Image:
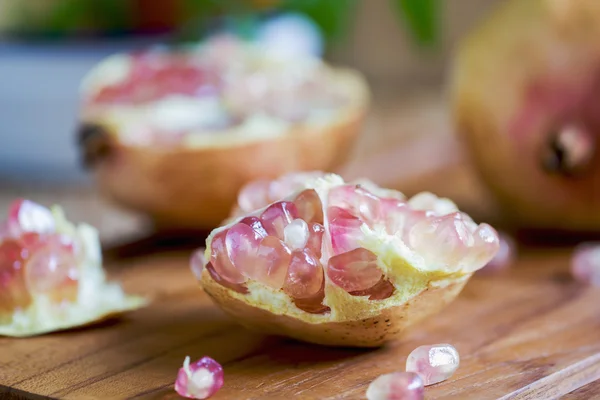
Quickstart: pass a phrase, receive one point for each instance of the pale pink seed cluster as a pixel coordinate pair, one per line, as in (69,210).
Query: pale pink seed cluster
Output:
(585,263)
(199,380)
(396,386)
(434,363)
(282,247)
(34,259)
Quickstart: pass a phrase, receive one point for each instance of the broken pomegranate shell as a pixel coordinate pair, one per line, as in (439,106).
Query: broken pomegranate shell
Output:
(176,133)
(378,264)
(524,97)
(51,276)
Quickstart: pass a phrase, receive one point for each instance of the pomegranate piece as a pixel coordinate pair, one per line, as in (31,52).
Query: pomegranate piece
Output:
(221,262)
(199,380)
(305,275)
(277,216)
(27,216)
(240,288)
(309,206)
(355,270)
(197,262)
(254,196)
(344,229)
(585,264)
(397,386)
(242,243)
(434,363)
(359,201)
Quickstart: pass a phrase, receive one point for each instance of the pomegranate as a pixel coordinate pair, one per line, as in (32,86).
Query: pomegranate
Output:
(523,97)
(340,263)
(51,276)
(176,133)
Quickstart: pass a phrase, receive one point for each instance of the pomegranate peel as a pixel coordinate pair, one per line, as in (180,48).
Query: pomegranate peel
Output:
(51,275)
(344,311)
(161,177)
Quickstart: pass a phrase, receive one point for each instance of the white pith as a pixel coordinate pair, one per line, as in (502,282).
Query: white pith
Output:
(395,259)
(96,298)
(129,119)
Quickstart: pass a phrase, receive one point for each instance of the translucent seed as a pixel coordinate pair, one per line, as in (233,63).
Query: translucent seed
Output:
(358,201)
(428,201)
(296,234)
(254,196)
(305,275)
(255,223)
(585,263)
(272,262)
(52,269)
(199,380)
(434,363)
(240,288)
(397,386)
(277,216)
(315,239)
(380,291)
(355,270)
(344,229)
(309,206)
(220,261)
(486,245)
(242,245)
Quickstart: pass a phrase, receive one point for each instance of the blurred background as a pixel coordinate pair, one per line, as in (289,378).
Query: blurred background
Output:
(48,45)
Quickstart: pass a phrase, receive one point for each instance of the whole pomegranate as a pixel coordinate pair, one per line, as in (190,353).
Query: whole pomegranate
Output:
(524,89)
(339,263)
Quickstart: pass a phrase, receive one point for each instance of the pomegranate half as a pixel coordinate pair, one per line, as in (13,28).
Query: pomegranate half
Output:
(525,100)
(340,263)
(175,134)
(51,275)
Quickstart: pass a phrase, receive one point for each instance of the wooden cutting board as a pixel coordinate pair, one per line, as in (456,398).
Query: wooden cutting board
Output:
(530,334)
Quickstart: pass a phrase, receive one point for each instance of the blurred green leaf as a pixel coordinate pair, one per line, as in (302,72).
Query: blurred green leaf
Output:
(422,17)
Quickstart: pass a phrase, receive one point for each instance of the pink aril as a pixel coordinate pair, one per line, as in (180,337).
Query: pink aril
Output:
(380,291)
(441,240)
(197,262)
(355,270)
(237,287)
(309,206)
(344,228)
(305,275)
(52,270)
(397,386)
(221,263)
(277,216)
(585,263)
(255,223)
(13,291)
(271,265)
(242,243)
(27,216)
(434,363)
(357,200)
(486,244)
(315,238)
(199,380)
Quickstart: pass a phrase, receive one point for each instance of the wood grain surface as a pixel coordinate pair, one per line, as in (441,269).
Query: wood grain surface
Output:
(531,333)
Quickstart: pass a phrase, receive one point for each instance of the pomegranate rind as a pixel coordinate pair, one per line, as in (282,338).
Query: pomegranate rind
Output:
(97,299)
(421,290)
(195,184)
(523,48)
